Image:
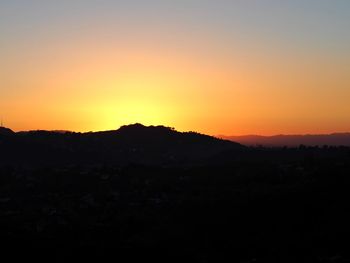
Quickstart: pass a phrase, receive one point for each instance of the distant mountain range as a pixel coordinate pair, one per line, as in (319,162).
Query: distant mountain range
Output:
(334,139)
(130,144)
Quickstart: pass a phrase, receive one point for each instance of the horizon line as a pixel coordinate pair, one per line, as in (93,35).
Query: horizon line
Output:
(214,135)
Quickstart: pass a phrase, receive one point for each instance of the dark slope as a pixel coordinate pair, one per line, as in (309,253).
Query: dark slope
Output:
(6,131)
(129,144)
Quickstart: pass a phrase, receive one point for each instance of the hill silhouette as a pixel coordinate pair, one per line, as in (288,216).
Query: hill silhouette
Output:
(130,144)
(6,131)
(171,195)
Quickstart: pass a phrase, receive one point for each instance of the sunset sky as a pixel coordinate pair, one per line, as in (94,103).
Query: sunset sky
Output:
(212,66)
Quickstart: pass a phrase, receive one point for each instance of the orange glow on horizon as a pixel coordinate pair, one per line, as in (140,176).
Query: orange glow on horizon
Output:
(103,88)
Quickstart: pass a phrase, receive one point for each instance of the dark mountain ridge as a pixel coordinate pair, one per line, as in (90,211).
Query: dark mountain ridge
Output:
(334,139)
(130,144)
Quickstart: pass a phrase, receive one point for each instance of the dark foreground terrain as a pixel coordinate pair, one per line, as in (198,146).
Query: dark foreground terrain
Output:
(257,205)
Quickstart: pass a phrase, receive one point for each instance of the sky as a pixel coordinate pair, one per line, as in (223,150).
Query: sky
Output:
(213,66)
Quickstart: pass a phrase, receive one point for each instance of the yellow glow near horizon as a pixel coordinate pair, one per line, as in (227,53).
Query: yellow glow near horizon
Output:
(165,89)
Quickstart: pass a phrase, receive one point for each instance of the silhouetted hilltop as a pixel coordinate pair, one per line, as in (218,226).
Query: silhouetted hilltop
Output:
(140,136)
(6,131)
(130,144)
(334,139)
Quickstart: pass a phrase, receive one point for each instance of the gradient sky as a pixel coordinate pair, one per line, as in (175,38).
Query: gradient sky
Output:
(217,67)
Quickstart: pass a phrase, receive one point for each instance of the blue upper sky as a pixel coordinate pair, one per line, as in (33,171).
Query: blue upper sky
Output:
(309,22)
